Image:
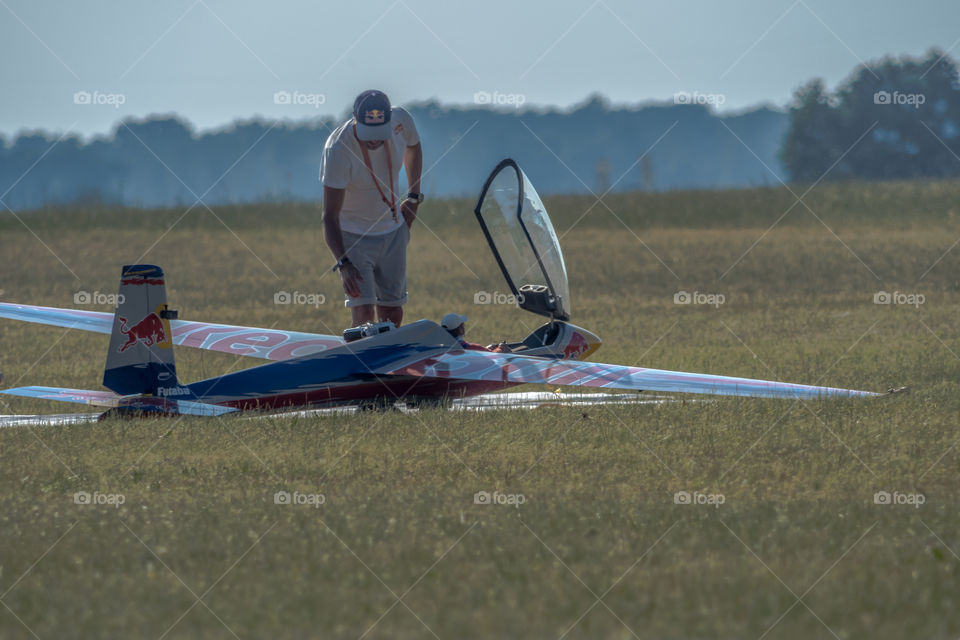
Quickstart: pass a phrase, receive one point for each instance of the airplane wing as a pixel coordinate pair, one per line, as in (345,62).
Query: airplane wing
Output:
(111,399)
(268,344)
(79,396)
(507,367)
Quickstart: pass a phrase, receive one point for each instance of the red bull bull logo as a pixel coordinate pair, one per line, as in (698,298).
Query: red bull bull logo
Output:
(577,348)
(374,116)
(152,330)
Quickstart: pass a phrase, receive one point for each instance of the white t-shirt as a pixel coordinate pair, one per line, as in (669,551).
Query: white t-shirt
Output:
(364,211)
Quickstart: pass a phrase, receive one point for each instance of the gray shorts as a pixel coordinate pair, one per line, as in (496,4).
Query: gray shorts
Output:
(382,261)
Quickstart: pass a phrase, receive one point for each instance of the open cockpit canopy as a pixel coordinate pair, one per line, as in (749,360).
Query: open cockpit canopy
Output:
(523,240)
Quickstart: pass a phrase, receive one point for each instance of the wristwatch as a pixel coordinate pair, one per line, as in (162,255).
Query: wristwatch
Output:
(416,197)
(341,263)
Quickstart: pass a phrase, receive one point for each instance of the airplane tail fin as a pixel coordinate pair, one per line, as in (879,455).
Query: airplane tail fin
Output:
(140,357)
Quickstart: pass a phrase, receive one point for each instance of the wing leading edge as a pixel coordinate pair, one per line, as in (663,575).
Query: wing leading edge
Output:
(500,367)
(267,344)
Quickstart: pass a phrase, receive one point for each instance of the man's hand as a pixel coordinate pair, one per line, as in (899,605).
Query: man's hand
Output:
(413,165)
(408,208)
(351,280)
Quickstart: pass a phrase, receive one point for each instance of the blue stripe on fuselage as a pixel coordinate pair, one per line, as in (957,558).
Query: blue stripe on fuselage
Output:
(350,363)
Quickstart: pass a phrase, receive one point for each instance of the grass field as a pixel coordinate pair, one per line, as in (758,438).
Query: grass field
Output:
(599,548)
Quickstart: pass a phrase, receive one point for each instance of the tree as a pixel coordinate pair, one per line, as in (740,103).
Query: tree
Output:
(808,148)
(899,118)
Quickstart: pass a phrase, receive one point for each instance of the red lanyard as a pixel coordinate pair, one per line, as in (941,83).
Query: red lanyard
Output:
(366,161)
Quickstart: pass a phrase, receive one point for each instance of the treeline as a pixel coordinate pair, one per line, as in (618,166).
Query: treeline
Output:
(896,119)
(162,161)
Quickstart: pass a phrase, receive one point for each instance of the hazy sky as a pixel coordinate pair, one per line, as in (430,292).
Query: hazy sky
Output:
(214,61)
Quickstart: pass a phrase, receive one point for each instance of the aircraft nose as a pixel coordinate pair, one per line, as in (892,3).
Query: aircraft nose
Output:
(592,341)
(580,343)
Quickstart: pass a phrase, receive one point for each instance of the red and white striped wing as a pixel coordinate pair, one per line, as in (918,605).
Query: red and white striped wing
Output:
(268,344)
(502,367)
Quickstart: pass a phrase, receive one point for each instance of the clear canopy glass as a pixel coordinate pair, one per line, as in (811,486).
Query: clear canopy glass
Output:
(521,234)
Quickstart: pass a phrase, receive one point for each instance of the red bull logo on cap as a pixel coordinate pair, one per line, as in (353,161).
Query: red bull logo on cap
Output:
(374,116)
(151,330)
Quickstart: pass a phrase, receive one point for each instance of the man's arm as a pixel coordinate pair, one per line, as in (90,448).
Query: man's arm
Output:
(333,235)
(332,203)
(413,164)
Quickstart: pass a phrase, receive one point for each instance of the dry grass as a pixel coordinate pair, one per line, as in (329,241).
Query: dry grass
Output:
(599,521)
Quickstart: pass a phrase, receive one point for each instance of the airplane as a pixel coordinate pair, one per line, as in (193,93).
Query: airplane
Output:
(419,364)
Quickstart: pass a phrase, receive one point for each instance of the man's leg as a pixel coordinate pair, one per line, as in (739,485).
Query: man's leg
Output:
(393,314)
(391,275)
(363,314)
(363,252)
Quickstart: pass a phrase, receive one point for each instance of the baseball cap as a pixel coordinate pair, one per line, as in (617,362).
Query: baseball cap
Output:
(371,112)
(452,320)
